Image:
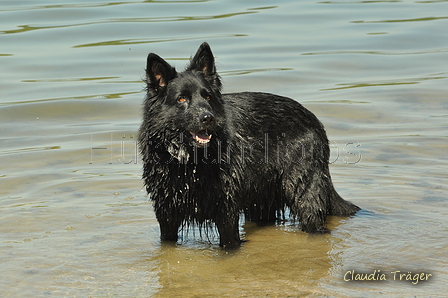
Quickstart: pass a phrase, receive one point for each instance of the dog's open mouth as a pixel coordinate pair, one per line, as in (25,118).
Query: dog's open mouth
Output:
(202,137)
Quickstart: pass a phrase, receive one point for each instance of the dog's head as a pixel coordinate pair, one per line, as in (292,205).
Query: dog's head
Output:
(189,102)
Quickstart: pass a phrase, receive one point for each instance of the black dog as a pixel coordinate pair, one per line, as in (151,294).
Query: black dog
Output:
(210,156)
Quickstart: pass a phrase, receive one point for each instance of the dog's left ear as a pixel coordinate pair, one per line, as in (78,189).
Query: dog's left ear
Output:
(204,62)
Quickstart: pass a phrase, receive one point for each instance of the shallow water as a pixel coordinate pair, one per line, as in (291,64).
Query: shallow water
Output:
(74,218)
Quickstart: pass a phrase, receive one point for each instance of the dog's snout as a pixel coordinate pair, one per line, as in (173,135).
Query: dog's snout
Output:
(207,118)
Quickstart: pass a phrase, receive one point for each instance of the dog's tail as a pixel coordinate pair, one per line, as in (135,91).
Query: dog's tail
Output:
(341,207)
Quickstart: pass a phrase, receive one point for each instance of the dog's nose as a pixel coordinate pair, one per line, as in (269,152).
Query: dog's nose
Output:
(207,118)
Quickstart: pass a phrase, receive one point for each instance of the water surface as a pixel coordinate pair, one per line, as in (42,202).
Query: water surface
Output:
(75,219)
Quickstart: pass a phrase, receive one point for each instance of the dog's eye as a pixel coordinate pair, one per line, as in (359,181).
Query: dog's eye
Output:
(182,98)
(206,95)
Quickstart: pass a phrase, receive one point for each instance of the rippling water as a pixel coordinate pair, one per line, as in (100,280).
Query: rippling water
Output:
(74,219)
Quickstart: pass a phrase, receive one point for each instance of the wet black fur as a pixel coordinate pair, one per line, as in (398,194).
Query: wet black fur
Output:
(265,153)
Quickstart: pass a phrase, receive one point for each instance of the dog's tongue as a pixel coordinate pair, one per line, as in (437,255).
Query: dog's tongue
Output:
(201,137)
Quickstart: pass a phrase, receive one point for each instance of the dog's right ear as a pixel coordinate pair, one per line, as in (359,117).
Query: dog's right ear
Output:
(158,72)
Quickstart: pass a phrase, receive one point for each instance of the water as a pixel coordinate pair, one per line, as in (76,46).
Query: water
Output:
(74,218)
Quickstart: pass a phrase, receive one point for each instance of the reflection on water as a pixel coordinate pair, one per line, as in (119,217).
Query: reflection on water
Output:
(75,219)
(150,40)
(252,270)
(404,20)
(380,83)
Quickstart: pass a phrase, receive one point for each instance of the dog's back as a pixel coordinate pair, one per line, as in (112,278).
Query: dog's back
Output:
(282,153)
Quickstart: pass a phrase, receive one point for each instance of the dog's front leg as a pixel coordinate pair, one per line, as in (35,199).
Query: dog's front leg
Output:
(228,228)
(169,224)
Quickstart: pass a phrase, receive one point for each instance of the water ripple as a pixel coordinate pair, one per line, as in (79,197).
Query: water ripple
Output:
(402,20)
(27,28)
(381,83)
(385,53)
(131,41)
(93,5)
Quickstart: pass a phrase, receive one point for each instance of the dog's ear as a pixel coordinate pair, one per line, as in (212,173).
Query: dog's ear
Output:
(204,62)
(158,72)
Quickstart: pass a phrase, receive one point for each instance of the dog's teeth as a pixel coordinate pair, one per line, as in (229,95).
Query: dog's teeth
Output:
(201,138)
(203,141)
